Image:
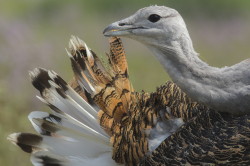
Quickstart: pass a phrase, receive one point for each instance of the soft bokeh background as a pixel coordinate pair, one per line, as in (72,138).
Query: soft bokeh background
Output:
(34,33)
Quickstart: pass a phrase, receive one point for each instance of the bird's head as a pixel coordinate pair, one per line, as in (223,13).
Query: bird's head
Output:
(153,26)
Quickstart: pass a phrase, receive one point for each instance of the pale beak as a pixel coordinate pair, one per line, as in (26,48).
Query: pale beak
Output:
(118,29)
(124,27)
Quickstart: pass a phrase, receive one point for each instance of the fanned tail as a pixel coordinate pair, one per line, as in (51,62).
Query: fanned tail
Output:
(72,134)
(71,130)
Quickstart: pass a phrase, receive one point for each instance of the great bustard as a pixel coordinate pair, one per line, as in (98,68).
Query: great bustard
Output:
(134,124)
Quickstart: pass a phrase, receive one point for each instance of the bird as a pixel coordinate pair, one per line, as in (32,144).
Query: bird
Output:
(98,117)
(164,32)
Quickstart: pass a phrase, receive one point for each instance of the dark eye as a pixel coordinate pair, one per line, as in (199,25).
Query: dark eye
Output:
(154,18)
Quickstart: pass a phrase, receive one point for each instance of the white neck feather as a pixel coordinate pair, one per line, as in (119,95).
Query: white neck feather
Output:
(203,83)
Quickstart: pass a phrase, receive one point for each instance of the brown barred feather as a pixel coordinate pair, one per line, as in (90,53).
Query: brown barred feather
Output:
(208,137)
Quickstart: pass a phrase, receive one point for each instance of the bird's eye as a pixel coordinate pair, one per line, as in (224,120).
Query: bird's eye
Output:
(154,18)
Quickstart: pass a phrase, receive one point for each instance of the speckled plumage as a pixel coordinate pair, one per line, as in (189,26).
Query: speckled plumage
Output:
(211,138)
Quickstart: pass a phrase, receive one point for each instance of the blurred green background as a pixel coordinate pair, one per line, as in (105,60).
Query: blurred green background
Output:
(34,33)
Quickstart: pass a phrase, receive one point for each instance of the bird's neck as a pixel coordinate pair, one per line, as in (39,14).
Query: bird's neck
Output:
(190,73)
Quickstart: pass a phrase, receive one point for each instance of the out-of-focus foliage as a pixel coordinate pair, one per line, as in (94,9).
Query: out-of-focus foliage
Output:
(34,33)
(206,7)
(221,8)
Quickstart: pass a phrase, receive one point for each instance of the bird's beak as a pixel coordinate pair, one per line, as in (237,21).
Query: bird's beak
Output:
(118,29)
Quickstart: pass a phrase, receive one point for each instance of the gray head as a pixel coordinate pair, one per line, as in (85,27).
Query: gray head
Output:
(153,26)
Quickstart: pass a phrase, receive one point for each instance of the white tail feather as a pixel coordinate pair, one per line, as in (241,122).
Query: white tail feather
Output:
(45,123)
(72,134)
(70,103)
(104,159)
